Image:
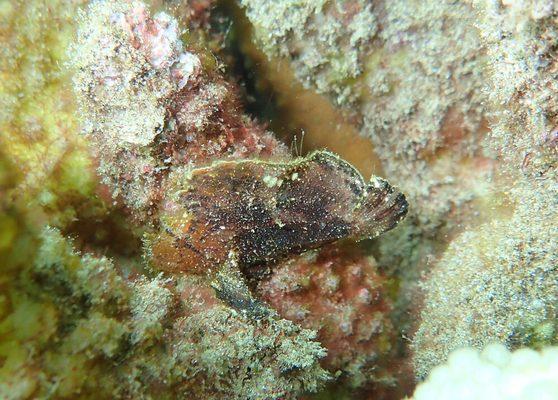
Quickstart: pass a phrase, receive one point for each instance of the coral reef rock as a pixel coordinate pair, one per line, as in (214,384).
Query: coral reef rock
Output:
(148,104)
(338,292)
(497,281)
(159,238)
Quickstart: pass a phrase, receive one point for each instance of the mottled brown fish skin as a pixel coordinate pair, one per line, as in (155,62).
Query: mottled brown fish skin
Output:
(265,211)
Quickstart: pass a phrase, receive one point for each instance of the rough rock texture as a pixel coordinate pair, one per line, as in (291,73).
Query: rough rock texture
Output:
(458,99)
(497,281)
(37,111)
(170,141)
(521,38)
(413,83)
(71,322)
(338,292)
(148,104)
(410,72)
(79,324)
(222,354)
(326,41)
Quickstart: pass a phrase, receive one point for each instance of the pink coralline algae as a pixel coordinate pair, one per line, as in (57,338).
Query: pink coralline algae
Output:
(150,105)
(227,210)
(339,292)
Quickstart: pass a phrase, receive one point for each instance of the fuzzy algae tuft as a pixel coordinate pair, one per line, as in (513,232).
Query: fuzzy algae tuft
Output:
(76,322)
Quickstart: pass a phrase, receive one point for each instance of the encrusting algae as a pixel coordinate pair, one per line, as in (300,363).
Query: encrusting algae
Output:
(149,105)
(457,98)
(220,202)
(408,75)
(159,241)
(502,274)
